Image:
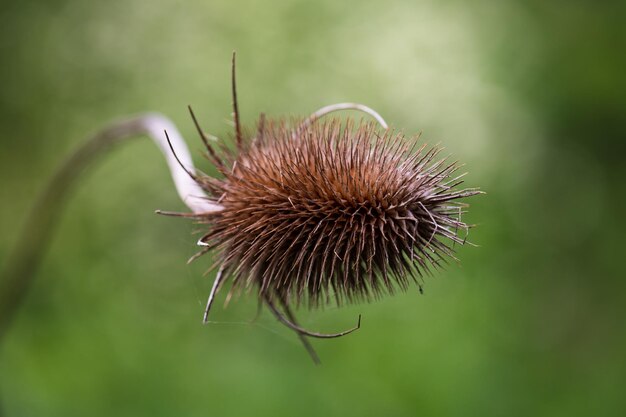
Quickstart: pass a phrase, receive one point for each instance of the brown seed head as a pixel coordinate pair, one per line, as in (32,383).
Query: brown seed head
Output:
(330,210)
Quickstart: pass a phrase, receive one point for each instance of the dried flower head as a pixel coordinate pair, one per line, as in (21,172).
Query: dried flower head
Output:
(332,212)
(314,212)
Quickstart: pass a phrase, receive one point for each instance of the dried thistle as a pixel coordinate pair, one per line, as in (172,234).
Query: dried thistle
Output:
(312,212)
(305,212)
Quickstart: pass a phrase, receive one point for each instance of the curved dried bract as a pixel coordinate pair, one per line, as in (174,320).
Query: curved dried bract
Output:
(289,321)
(343,106)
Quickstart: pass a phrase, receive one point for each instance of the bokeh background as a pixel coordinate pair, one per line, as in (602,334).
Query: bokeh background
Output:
(529,94)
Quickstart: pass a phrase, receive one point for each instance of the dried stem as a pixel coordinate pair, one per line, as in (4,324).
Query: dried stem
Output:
(22,263)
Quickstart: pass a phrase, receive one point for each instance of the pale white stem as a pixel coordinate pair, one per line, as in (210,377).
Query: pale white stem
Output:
(188,190)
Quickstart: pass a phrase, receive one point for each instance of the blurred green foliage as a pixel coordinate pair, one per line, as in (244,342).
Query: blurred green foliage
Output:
(531,95)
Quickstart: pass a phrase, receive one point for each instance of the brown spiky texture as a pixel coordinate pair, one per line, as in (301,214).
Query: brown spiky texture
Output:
(331,211)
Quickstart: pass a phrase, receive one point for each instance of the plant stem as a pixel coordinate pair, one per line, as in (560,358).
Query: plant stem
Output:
(19,271)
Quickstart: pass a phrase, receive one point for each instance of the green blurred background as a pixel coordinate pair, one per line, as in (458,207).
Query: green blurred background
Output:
(530,95)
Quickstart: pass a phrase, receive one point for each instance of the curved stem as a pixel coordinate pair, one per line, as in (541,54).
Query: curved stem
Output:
(22,263)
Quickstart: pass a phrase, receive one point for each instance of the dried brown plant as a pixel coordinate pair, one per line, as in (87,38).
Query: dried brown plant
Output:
(316,212)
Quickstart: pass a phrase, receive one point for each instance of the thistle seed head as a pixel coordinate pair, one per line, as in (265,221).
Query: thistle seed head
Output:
(316,212)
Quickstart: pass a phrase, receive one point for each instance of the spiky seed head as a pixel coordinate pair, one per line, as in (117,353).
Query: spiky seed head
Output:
(323,211)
